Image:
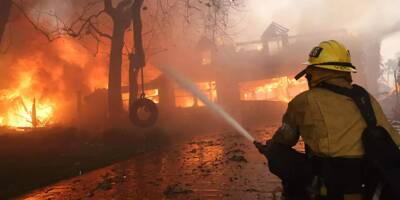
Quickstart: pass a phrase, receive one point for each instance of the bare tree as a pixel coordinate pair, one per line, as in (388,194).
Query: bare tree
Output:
(90,22)
(121,17)
(215,15)
(129,11)
(121,20)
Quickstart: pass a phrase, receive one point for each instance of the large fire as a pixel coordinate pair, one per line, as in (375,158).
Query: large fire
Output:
(185,99)
(19,114)
(42,86)
(21,110)
(275,89)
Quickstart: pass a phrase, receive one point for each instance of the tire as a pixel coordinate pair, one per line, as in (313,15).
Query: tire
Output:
(150,107)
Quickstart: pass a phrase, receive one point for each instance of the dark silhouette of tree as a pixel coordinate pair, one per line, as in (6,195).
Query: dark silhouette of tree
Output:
(127,12)
(121,19)
(122,15)
(137,59)
(5,8)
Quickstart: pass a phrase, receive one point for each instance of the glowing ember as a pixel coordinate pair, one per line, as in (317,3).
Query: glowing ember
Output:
(276,89)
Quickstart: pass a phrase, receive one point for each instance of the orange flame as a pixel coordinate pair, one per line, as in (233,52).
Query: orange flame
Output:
(17,108)
(185,99)
(45,76)
(275,89)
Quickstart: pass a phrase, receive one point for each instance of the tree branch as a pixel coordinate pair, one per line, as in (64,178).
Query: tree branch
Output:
(48,35)
(87,22)
(109,8)
(100,33)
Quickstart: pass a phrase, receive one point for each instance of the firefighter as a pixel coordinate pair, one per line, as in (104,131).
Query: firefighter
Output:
(331,126)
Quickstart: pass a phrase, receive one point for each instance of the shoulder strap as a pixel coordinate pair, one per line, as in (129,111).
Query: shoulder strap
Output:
(360,97)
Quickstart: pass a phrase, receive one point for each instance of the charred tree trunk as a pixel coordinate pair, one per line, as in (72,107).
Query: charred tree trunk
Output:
(5,7)
(114,76)
(138,58)
(121,16)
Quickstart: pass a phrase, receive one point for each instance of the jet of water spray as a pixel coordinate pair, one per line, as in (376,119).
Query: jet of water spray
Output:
(188,85)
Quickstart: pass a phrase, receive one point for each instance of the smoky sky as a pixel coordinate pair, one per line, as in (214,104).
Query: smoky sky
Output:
(57,74)
(370,17)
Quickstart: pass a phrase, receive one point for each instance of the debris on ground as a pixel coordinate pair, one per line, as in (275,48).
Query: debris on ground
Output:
(176,189)
(106,184)
(199,171)
(231,179)
(89,194)
(193,151)
(235,151)
(238,158)
(252,190)
(204,143)
(118,179)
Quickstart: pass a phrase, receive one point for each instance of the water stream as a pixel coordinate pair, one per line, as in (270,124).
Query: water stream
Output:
(188,85)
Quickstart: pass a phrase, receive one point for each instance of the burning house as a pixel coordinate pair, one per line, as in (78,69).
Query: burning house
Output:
(252,80)
(147,99)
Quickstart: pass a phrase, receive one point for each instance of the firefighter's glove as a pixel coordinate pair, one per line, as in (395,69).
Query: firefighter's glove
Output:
(262,148)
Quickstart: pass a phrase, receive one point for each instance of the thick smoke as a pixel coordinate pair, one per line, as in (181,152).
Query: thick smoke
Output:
(304,16)
(54,72)
(60,69)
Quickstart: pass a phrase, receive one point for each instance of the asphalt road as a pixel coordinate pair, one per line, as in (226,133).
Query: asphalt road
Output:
(221,165)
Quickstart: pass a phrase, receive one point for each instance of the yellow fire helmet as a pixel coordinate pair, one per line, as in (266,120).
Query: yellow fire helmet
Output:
(330,55)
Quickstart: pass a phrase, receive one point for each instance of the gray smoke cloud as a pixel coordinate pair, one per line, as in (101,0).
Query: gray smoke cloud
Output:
(302,16)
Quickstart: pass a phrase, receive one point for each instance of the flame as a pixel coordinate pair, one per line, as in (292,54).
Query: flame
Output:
(21,116)
(275,89)
(151,94)
(184,99)
(17,108)
(43,75)
(72,53)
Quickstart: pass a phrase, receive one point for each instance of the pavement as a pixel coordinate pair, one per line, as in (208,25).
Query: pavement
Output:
(222,165)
